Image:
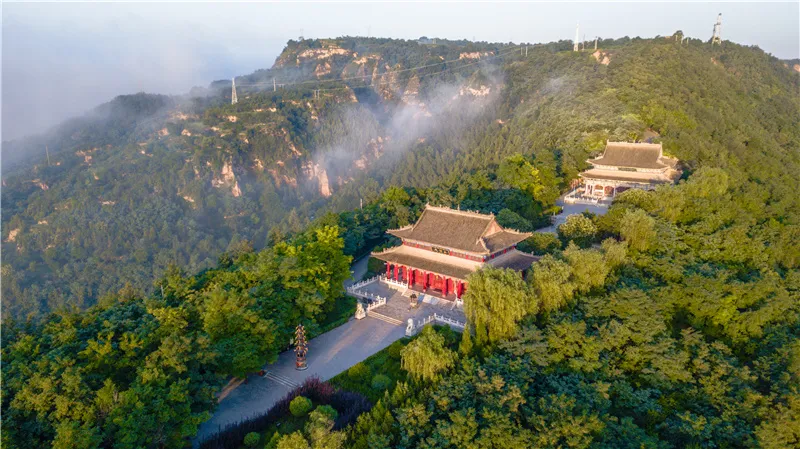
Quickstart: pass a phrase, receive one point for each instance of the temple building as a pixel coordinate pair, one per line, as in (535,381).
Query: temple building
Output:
(445,245)
(626,166)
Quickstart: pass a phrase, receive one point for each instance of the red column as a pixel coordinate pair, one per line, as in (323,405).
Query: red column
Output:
(408,275)
(444,287)
(396,272)
(388,270)
(424,281)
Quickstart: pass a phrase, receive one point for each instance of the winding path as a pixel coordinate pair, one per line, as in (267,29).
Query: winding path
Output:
(328,355)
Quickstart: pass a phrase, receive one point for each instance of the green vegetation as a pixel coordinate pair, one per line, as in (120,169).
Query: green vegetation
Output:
(360,377)
(671,321)
(252,439)
(300,406)
(138,371)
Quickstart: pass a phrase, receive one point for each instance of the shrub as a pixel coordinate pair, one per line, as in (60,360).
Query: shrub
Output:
(273,442)
(381,382)
(349,405)
(252,439)
(393,351)
(300,406)
(327,411)
(231,436)
(358,372)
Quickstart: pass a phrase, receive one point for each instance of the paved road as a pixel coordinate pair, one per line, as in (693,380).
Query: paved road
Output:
(328,355)
(359,269)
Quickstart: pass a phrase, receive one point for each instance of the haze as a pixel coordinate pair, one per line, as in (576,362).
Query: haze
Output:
(59,60)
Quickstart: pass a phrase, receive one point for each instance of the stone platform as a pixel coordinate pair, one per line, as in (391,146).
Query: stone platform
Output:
(398,304)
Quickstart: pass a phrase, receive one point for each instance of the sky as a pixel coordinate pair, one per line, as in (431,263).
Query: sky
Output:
(61,59)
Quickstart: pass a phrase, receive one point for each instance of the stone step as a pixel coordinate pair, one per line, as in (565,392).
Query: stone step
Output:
(385,318)
(281,379)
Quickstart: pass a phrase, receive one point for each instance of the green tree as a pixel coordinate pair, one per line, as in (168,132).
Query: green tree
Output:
(551,283)
(519,173)
(578,228)
(638,230)
(497,299)
(427,357)
(245,340)
(299,406)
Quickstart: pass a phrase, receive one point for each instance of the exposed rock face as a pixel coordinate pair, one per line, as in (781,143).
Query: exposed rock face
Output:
(602,57)
(796,67)
(41,184)
(12,235)
(186,132)
(322,69)
(232,118)
(86,155)
(314,171)
(473,55)
(227,178)
(411,94)
(163,132)
(481,91)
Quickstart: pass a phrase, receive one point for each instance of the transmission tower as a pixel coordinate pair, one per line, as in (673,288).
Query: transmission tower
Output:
(715,38)
(234,99)
(577,37)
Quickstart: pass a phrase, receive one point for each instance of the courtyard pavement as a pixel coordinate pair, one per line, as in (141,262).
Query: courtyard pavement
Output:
(398,306)
(328,355)
(573,209)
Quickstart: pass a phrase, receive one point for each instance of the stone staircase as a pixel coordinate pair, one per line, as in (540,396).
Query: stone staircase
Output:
(281,379)
(385,318)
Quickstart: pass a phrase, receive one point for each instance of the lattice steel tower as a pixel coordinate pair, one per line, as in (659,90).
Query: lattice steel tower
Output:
(577,37)
(715,38)
(234,99)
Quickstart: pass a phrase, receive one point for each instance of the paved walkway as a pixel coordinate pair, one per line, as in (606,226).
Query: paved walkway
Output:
(328,355)
(358,270)
(573,209)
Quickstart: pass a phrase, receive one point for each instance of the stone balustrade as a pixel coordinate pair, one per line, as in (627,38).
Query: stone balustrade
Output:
(413,326)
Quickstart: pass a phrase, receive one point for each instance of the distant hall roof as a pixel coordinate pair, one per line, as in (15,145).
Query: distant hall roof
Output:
(632,155)
(460,230)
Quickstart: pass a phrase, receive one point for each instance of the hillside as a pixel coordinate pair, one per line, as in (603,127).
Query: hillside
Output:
(673,321)
(178,181)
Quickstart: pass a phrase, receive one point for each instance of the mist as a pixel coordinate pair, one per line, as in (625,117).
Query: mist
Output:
(61,59)
(378,139)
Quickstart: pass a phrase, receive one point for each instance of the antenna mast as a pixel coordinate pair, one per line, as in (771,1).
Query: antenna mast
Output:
(577,37)
(716,38)
(234,98)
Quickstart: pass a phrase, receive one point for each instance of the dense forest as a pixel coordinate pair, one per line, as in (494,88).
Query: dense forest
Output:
(670,322)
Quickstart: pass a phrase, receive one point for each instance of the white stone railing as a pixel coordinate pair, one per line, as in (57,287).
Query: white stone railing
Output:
(413,326)
(377,301)
(393,282)
(448,320)
(374,301)
(360,284)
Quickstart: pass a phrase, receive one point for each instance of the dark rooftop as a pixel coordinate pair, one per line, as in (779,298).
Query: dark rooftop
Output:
(632,155)
(460,230)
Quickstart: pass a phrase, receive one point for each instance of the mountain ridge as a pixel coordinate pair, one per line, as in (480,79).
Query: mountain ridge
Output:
(208,174)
